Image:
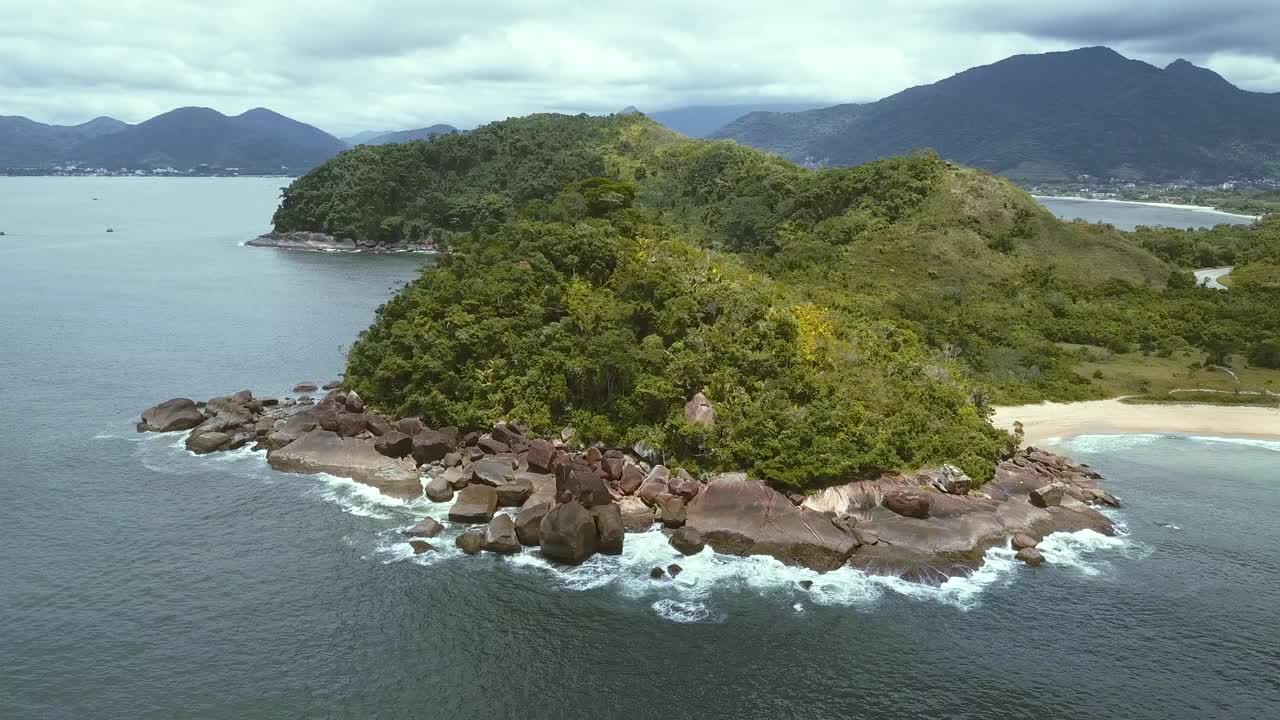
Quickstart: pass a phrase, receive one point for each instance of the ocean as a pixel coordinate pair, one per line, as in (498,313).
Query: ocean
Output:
(1129,215)
(138,581)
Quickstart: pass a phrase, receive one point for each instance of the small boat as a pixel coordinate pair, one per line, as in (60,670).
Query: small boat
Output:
(110,230)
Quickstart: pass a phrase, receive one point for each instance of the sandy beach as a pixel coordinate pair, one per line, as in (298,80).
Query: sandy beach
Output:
(1057,420)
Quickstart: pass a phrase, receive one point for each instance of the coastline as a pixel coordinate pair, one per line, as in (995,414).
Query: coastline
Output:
(1175,206)
(1059,420)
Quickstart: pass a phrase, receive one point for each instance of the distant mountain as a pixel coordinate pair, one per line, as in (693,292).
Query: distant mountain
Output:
(425,133)
(255,141)
(363,136)
(27,143)
(703,120)
(1048,117)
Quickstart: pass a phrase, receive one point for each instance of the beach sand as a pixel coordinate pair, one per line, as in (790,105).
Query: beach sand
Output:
(1060,420)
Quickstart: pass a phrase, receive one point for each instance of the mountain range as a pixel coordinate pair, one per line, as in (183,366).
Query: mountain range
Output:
(1051,116)
(699,121)
(370,137)
(257,141)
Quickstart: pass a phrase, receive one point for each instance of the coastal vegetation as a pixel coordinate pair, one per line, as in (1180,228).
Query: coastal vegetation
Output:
(842,322)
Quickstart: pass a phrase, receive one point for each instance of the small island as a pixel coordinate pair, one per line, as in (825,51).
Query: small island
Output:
(625,327)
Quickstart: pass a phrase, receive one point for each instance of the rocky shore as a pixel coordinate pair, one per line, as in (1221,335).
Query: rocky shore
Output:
(573,502)
(320,242)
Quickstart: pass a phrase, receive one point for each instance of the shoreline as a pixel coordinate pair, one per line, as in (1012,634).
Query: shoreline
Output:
(1105,417)
(1175,206)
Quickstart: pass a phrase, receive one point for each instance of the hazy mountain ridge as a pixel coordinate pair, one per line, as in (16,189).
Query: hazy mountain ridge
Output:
(1049,116)
(258,140)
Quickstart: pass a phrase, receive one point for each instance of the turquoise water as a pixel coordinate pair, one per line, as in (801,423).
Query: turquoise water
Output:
(1127,215)
(138,581)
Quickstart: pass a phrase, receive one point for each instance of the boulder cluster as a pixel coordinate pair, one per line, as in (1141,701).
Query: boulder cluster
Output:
(315,241)
(573,502)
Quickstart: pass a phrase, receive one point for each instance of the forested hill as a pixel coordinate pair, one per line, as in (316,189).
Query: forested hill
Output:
(601,271)
(1048,117)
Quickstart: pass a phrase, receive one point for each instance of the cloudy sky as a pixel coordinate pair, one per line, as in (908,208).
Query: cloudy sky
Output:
(352,65)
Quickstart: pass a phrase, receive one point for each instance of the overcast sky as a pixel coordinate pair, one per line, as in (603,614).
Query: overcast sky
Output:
(389,64)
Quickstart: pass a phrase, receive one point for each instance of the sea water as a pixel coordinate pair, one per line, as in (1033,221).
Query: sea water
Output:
(140,581)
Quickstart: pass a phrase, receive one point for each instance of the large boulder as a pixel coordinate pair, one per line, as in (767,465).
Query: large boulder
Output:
(1022,541)
(672,511)
(474,504)
(636,516)
(426,527)
(209,442)
(352,424)
(500,535)
(949,479)
(492,446)
(439,490)
(492,472)
(321,451)
(394,443)
(529,523)
(514,493)
(540,455)
(631,480)
(698,411)
(508,435)
(609,530)
(580,482)
(740,516)
(687,541)
(1048,495)
(908,504)
(171,415)
(471,541)
(432,445)
(654,486)
(567,533)
(1030,556)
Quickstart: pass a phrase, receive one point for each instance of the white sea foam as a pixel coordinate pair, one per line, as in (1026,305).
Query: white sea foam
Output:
(1077,550)
(683,612)
(1113,443)
(1272,445)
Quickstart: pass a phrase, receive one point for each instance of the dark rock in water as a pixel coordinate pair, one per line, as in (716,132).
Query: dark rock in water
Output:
(687,541)
(672,509)
(636,516)
(657,573)
(303,240)
(908,504)
(1030,556)
(529,523)
(305,387)
(323,451)
(438,490)
(394,444)
(471,541)
(806,584)
(331,385)
(567,533)
(500,535)
(739,516)
(1022,541)
(1098,496)
(170,416)
(673,570)
(492,472)
(208,442)
(432,445)
(1048,495)
(609,530)
(474,504)
(426,527)
(540,455)
(632,479)
(581,482)
(514,493)
(420,546)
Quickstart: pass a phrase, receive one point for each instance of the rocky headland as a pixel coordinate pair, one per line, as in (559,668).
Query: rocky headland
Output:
(320,242)
(573,502)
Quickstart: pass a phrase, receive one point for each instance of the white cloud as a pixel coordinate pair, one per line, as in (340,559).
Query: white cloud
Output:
(346,66)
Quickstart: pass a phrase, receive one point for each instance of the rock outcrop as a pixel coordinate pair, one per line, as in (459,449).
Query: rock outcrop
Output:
(323,451)
(170,416)
(474,504)
(320,242)
(567,533)
(739,516)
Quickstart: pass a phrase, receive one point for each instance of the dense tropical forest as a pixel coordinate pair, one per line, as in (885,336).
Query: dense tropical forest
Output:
(846,321)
